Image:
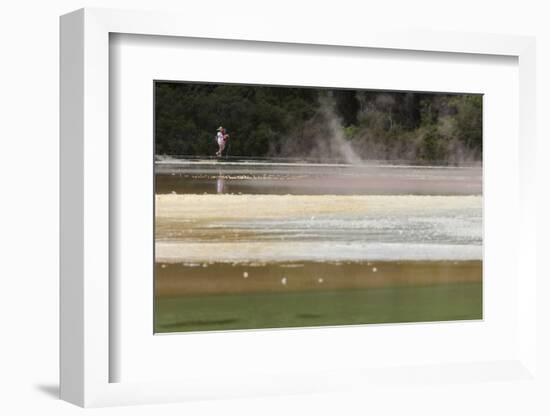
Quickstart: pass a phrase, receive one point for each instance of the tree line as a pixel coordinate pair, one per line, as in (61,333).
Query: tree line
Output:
(265,121)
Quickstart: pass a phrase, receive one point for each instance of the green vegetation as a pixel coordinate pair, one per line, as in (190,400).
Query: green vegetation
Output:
(440,302)
(316,123)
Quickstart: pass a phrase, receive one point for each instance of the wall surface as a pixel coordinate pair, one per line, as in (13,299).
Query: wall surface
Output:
(29,210)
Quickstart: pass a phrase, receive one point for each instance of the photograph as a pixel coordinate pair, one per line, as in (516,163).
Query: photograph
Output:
(295,207)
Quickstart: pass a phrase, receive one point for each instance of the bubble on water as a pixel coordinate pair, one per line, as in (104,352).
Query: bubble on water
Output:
(163,266)
(245,275)
(320,280)
(284,280)
(374,269)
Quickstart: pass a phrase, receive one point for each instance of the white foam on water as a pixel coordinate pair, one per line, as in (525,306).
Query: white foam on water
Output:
(278,228)
(171,252)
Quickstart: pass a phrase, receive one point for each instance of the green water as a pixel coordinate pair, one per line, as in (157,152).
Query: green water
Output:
(442,302)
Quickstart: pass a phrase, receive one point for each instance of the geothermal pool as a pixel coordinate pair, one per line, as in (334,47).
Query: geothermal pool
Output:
(257,244)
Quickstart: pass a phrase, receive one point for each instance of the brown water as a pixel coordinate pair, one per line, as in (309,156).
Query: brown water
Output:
(179,279)
(304,179)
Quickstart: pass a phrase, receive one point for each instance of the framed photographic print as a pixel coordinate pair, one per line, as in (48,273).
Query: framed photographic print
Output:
(315,206)
(270,214)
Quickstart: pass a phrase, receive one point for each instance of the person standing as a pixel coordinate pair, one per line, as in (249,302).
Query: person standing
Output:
(221,139)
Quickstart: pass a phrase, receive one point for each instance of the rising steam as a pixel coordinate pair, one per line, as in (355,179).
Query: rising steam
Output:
(321,139)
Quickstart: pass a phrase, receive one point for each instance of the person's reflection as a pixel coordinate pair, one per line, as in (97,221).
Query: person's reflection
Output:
(220,184)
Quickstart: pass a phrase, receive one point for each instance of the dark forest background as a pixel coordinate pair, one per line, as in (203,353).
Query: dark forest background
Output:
(318,124)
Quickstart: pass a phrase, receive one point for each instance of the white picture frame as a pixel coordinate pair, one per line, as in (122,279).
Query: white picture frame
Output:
(85,211)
